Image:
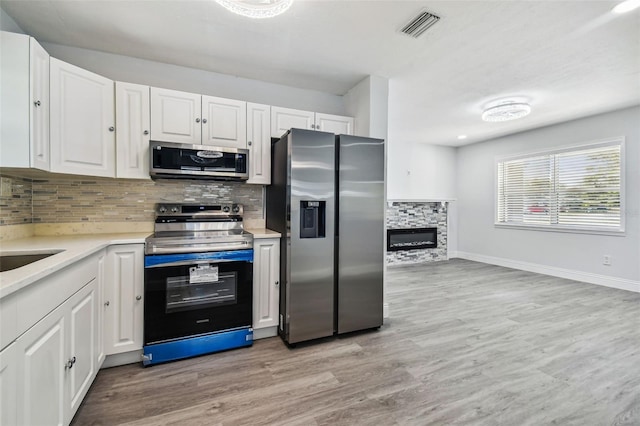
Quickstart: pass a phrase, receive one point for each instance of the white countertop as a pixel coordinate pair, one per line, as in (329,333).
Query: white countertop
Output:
(75,247)
(261,233)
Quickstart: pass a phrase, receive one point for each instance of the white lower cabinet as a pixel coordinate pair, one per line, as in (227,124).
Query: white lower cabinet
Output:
(8,385)
(266,286)
(56,361)
(123,304)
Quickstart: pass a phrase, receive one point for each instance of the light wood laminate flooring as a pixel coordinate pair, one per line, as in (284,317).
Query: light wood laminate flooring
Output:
(467,344)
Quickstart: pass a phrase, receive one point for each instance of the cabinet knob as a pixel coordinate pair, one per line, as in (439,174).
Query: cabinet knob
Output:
(106,303)
(111,129)
(70,363)
(197,120)
(138,297)
(146,132)
(277,283)
(37,103)
(249,143)
(204,121)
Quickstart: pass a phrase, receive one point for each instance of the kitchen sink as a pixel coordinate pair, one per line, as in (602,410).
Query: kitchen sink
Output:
(14,261)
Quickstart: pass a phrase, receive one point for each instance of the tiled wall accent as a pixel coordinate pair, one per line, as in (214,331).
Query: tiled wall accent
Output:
(121,200)
(15,205)
(402,215)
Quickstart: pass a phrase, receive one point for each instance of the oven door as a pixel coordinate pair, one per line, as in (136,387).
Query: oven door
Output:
(193,294)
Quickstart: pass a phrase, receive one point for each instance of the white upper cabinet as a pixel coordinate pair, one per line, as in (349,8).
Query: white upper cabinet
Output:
(133,124)
(334,124)
(175,116)
(196,119)
(224,122)
(24,83)
(259,143)
(82,121)
(283,119)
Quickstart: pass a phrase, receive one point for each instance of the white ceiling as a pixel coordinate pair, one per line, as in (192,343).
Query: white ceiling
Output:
(568,58)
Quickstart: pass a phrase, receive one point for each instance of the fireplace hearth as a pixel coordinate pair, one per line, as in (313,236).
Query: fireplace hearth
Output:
(412,238)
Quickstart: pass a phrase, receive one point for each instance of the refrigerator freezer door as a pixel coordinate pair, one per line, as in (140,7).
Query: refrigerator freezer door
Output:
(310,283)
(360,233)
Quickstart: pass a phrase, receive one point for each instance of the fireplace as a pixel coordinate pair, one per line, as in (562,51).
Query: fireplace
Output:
(411,239)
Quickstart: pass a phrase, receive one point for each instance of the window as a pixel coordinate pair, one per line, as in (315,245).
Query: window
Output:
(580,189)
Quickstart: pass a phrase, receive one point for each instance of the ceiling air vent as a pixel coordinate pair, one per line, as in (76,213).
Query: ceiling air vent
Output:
(420,24)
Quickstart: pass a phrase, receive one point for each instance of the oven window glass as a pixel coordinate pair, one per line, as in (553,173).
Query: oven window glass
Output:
(188,293)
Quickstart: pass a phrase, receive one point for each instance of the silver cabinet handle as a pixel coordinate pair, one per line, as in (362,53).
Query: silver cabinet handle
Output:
(138,297)
(106,303)
(37,103)
(249,143)
(146,132)
(197,120)
(204,121)
(70,363)
(111,129)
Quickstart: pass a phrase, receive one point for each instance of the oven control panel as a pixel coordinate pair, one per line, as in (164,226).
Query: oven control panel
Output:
(198,210)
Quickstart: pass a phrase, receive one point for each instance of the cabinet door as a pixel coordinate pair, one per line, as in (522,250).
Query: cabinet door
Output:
(266,288)
(133,121)
(224,122)
(100,309)
(39,89)
(81,311)
(42,367)
(82,121)
(175,116)
(124,289)
(259,143)
(283,119)
(8,385)
(334,124)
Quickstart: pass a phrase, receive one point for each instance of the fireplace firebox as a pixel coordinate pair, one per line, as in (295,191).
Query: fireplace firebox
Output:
(412,238)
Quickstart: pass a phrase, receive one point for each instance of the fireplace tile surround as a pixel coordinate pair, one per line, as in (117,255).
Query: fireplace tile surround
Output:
(418,214)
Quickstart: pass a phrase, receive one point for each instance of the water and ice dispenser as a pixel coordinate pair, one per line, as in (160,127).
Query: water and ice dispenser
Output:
(312,219)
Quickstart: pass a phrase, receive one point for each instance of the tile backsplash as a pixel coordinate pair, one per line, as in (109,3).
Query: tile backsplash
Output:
(15,201)
(85,199)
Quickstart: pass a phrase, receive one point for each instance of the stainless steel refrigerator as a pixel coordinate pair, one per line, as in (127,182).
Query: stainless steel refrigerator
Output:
(326,198)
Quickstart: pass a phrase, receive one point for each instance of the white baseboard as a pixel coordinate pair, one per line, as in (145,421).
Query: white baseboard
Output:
(587,277)
(123,359)
(263,333)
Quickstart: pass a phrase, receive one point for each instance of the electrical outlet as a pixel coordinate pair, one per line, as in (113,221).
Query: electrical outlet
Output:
(606,260)
(5,187)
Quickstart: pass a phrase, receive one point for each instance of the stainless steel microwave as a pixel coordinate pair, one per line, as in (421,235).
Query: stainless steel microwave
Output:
(176,160)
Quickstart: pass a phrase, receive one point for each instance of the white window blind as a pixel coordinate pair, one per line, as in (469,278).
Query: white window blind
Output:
(579,188)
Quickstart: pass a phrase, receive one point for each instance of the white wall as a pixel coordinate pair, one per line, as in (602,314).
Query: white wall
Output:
(368,103)
(141,71)
(417,169)
(420,171)
(572,255)
(8,24)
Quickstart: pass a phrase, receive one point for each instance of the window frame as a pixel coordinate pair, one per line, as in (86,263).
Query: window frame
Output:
(613,141)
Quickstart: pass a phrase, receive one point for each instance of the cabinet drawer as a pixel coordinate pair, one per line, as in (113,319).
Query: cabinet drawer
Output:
(38,299)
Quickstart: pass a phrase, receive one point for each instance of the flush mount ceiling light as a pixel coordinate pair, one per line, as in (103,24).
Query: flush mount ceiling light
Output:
(505,110)
(257,9)
(626,6)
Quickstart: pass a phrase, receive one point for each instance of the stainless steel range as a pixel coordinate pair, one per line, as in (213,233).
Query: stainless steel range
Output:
(198,282)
